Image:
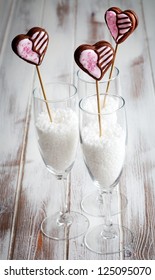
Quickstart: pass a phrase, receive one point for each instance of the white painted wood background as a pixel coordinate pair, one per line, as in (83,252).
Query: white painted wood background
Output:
(26,187)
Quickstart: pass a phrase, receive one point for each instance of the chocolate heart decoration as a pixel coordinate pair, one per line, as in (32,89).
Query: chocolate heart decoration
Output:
(31,46)
(94,59)
(120,23)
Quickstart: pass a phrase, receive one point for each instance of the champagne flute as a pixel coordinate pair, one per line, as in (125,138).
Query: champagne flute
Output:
(92,203)
(104,158)
(57,140)
(86,85)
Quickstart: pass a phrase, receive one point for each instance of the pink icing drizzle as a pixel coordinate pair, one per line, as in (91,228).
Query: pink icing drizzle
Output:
(25,51)
(88,59)
(111,21)
(118,23)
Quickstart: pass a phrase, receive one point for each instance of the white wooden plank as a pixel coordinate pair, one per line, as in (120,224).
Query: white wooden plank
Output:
(16,83)
(71,23)
(6,8)
(90,28)
(59,20)
(148,15)
(138,91)
(47,194)
(135,72)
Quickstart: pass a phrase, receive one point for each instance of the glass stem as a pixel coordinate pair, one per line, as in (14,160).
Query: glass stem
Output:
(108,231)
(64,208)
(64,217)
(107,202)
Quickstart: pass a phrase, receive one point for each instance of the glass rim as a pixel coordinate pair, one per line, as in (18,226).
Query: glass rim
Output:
(52,100)
(100,81)
(102,94)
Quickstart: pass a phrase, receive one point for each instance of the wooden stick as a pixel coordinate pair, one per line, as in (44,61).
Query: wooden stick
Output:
(110,75)
(99,109)
(44,94)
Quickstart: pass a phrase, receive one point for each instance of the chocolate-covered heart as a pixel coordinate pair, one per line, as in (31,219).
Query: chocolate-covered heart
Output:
(120,23)
(31,46)
(94,59)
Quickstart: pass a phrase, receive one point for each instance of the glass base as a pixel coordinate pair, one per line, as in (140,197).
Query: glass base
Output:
(100,241)
(93,204)
(58,228)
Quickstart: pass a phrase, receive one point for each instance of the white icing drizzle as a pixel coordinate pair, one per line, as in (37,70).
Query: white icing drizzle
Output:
(42,33)
(42,42)
(43,47)
(123,20)
(102,49)
(105,63)
(124,25)
(35,35)
(105,56)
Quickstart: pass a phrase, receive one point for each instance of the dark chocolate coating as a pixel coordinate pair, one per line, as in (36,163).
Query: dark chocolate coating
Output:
(29,35)
(133,18)
(95,48)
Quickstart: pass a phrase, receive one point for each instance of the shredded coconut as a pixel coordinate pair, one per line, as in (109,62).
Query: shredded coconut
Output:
(58,139)
(104,156)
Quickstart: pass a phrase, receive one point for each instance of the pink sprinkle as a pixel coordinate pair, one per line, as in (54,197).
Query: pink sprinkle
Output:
(111,22)
(24,49)
(88,59)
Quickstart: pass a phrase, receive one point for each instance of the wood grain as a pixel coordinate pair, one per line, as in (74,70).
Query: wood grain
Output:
(27,190)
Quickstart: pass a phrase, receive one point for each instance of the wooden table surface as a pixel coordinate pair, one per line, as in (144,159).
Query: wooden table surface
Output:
(27,190)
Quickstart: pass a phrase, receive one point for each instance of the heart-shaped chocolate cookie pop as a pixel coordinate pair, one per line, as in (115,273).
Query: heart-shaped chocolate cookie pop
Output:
(120,23)
(31,46)
(95,59)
